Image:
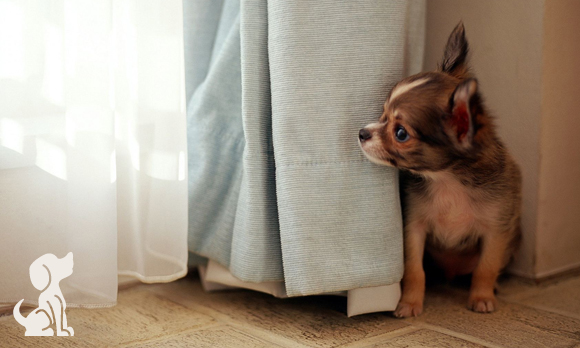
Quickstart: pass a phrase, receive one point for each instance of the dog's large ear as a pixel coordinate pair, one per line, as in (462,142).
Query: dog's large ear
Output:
(455,57)
(464,105)
(40,273)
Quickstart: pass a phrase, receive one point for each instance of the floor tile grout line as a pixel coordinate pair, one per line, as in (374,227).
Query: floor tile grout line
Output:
(382,337)
(543,308)
(253,330)
(258,332)
(526,294)
(455,334)
(267,336)
(285,342)
(172,333)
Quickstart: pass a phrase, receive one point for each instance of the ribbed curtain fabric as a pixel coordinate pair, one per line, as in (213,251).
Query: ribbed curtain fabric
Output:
(277,90)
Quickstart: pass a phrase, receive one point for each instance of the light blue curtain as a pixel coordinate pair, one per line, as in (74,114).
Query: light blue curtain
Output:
(278,187)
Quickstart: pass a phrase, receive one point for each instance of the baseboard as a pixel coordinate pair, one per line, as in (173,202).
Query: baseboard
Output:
(521,274)
(548,276)
(565,271)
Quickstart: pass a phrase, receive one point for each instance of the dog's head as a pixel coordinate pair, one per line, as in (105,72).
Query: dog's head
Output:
(429,119)
(48,269)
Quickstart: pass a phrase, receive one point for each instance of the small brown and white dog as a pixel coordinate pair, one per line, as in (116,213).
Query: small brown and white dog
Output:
(461,186)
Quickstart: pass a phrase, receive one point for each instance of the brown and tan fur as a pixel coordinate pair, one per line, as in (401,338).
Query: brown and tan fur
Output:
(461,186)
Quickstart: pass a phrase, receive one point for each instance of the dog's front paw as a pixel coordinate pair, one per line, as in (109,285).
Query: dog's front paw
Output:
(482,304)
(406,309)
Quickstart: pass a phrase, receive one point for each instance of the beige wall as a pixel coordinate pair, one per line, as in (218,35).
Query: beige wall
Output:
(506,57)
(558,236)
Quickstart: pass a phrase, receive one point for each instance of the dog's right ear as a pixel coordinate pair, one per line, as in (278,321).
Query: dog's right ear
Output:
(39,272)
(464,105)
(455,57)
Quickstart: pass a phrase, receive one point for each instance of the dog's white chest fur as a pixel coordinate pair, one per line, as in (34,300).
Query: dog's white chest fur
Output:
(449,210)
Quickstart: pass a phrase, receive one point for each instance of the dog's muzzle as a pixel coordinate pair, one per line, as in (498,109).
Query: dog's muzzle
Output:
(364,135)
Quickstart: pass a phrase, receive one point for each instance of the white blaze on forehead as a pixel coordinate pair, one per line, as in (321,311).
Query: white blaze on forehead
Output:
(373,127)
(401,89)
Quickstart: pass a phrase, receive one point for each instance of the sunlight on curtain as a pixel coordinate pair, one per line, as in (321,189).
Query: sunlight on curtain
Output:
(92,144)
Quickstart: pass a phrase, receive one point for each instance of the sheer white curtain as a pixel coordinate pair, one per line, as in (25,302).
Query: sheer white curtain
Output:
(92,144)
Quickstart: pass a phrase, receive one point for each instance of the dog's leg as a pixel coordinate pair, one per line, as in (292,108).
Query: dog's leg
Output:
(492,260)
(60,320)
(411,303)
(55,304)
(65,326)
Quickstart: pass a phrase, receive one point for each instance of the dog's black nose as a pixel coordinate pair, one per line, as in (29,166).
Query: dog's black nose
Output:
(364,135)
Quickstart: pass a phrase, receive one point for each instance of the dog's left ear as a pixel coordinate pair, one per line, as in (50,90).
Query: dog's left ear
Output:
(39,272)
(455,57)
(464,105)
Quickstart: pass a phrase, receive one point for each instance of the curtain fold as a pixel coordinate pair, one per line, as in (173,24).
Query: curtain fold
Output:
(279,190)
(340,215)
(93,148)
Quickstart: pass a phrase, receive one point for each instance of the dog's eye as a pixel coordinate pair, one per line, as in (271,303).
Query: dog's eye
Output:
(401,134)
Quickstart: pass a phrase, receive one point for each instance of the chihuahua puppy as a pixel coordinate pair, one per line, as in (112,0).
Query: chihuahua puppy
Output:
(461,187)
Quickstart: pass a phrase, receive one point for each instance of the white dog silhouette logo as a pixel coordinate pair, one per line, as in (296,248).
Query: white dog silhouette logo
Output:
(45,273)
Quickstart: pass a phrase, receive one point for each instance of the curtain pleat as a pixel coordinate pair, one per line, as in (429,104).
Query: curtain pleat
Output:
(278,187)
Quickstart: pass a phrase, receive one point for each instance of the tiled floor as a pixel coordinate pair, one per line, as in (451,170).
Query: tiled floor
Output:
(181,314)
